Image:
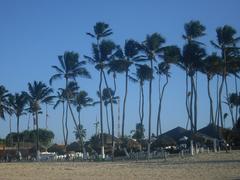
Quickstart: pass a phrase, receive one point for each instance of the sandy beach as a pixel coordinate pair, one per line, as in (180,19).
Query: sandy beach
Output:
(219,165)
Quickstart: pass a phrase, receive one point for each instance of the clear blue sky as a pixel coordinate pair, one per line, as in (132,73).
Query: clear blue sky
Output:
(34,33)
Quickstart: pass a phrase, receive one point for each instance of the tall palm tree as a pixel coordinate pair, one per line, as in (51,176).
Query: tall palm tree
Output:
(211,67)
(70,68)
(151,47)
(171,55)
(192,56)
(122,65)
(61,99)
(226,43)
(18,103)
(38,93)
(234,69)
(143,73)
(3,101)
(101,51)
(71,94)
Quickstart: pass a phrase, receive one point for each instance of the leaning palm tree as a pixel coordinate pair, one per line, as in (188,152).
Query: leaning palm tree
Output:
(171,55)
(70,68)
(101,51)
(226,43)
(3,101)
(38,93)
(152,46)
(71,94)
(61,99)
(17,104)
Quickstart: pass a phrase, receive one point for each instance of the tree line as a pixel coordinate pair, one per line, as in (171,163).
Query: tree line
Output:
(139,62)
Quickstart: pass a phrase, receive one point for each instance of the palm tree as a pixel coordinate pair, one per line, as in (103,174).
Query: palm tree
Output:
(122,65)
(192,56)
(17,104)
(82,100)
(3,101)
(101,51)
(107,94)
(71,94)
(211,67)
(151,47)
(82,134)
(70,68)
(37,94)
(226,43)
(171,55)
(61,99)
(234,69)
(143,73)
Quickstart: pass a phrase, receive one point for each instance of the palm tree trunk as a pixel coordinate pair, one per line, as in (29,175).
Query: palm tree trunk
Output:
(221,86)
(195,103)
(46,122)
(124,102)
(187,101)
(36,115)
(66,118)
(114,82)
(236,91)
(66,125)
(160,105)
(211,118)
(80,135)
(112,116)
(10,130)
(139,105)
(106,108)
(79,117)
(191,105)
(229,106)
(76,125)
(63,128)
(142,97)
(18,138)
(101,114)
(113,141)
(150,112)
(220,102)
(217,107)
(159,94)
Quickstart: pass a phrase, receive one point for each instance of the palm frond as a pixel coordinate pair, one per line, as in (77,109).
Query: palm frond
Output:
(90,34)
(55,77)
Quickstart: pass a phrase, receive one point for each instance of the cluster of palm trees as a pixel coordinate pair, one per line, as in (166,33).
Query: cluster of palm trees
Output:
(140,62)
(19,104)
